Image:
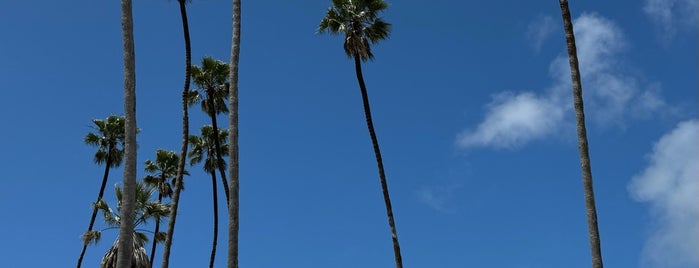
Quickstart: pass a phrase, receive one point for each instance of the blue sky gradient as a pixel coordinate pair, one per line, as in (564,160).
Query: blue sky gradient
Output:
(472,106)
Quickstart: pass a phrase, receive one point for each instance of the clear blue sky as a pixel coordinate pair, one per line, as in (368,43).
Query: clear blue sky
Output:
(471,101)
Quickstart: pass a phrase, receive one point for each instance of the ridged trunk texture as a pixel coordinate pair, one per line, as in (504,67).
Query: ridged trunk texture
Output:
(99,197)
(128,206)
(379,161)
(185,134)
(233,202)
(590,208)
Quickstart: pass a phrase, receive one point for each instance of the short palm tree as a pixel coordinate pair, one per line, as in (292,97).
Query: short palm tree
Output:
(212,80)
(160,173)
(109,140)
(590,207)
(185,135)
(145,211)
(359,22)
(203,149)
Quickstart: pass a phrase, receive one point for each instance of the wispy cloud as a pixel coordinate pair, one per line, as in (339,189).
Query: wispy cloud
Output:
(439,197)
(513,119)
(670,183)
(671,16)
(540,29)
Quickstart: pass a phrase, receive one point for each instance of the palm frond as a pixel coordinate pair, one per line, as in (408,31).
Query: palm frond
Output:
(93,236)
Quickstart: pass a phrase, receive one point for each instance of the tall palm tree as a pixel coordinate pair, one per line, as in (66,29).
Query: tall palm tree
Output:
(359,21)
(203,148)
(233,200)
(161,171)
(110,143)
(145,211)
(590,208)
(128,206)
(185,136)
(212,79)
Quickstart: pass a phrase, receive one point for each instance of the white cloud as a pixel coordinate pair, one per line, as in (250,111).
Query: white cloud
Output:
(670,184)
(671,16)
(513,120)
(541,29)
(610,94)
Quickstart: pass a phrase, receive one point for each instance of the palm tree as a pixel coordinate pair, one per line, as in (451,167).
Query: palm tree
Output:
(110,143)
(359,21)
(128,206)
(160,173)
(145,210)
(233,201)
(590,208)
(185,136)
(203,149)
(212,79)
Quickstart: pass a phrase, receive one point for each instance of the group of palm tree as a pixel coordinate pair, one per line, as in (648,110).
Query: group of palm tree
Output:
(360,23)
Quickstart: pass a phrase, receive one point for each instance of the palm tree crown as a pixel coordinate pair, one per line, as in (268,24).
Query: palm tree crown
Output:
(360,22)
(109,139)
(212,78)
(145,210)
(162,170)
(203,148)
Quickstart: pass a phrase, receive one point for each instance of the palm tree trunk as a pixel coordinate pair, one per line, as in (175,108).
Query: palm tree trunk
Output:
(379,161)
(217,144)
(590,208)
(107,166)
(233,205)
(128,205)
(157,228)
(215,239)
(185,134)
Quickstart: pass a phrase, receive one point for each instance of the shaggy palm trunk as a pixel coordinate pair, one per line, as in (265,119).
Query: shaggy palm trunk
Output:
(379,161)
(233,205)
(217,144)
(94,208)
(185,134)
(157,228)
(590,208)
(214,244)
(128,205)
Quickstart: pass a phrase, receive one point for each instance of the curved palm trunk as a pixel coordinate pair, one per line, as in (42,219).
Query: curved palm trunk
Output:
(590,208)
(215,239)
(217,144)
(379,161)
(156,230)
(128,205)
(233,205)
(185,134)
(94,209)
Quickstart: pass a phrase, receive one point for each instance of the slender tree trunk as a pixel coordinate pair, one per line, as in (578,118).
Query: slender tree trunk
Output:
(185,134)
(590,208)
(217,144)
(379,161)
(233,207)
(94,208)
(157,228)
(128,206)
(214,243)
